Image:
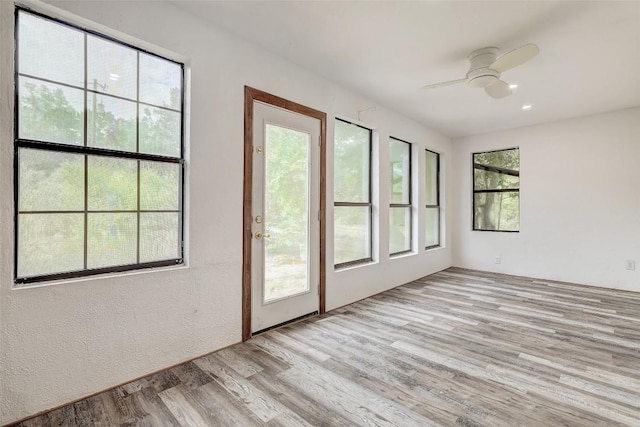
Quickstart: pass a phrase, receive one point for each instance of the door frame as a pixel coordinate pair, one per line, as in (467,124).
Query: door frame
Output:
(251,95)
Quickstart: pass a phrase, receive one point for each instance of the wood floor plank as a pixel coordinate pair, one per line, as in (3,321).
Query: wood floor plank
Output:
(456,348)
(315,414)
(264,407)
(187,415)
(226,409)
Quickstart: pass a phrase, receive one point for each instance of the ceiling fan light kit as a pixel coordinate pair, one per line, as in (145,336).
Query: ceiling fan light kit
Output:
(480,74)
(486,68)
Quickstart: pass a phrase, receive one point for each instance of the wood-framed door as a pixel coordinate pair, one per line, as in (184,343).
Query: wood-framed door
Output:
(267,118)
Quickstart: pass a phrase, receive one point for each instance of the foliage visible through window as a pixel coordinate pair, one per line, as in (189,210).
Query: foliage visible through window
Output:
(99,144)
(286,211)
(352,194)
(496,190)
(400,197)
(432,199)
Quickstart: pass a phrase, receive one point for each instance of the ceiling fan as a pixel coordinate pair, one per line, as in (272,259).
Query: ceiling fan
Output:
(486,69)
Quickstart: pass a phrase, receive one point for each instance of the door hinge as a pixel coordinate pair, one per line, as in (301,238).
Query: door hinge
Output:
(318,289)
(319,215)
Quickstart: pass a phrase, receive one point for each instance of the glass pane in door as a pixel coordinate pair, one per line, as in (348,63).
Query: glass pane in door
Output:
(286,212)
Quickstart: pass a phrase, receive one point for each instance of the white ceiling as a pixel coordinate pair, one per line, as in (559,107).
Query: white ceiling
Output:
(589,59)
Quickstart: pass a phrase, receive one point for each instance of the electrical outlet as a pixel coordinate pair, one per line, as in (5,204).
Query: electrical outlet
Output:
(498,259)
(630,264)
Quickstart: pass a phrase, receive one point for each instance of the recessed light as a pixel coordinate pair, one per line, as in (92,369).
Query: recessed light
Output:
(527,106)
(114,77)
(513,86)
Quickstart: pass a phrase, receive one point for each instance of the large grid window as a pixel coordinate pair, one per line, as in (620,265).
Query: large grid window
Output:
(400,197)
(432,199)
(496,190)
(99,164)
(352,194)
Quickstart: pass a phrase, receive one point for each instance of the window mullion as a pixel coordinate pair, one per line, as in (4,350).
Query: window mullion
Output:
(86,160)
(355,204)
(138,162)
(78,149)
(86,210)
(138,212)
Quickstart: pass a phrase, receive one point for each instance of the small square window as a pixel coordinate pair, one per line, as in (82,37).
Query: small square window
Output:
(496,190)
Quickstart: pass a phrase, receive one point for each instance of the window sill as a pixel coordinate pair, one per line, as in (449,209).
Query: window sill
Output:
(105,276)
(354,266)
(404,254)
(496,231)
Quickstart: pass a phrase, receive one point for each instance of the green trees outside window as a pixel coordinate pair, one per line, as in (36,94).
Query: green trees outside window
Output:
(99,144)
(400,217)
(352,194)
(432,199)
(496,190)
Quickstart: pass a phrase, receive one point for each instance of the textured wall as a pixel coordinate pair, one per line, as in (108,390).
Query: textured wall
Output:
(62,341)
(579,202)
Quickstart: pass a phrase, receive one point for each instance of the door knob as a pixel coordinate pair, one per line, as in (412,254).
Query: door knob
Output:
(260,235)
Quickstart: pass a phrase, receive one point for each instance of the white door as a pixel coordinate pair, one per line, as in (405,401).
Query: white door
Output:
(285,227)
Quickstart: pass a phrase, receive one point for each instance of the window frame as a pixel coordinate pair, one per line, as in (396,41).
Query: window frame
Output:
(403,205)
(499,170)
(86,151)
(368,204)
(438,204)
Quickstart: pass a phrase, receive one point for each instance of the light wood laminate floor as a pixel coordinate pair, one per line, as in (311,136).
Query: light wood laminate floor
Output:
(457,348)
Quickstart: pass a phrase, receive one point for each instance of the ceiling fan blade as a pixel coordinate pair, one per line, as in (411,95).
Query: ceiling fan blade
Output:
(443,84)
(515,57)
(499,89)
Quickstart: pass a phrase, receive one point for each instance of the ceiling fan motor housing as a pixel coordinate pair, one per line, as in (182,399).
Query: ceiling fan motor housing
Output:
(480,75)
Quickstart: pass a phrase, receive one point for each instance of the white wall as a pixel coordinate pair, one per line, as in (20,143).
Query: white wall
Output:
(579,202)
(62,341)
